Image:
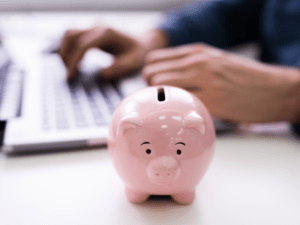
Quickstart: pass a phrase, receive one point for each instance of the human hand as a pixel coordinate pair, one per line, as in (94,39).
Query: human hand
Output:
(232,87)
(129,53)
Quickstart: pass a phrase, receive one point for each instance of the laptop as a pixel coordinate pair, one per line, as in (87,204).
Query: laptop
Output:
(41,111)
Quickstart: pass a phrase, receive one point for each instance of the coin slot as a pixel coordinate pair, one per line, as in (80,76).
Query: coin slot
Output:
(161,95)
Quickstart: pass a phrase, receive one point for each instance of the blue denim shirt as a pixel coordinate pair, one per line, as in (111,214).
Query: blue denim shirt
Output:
(274,24)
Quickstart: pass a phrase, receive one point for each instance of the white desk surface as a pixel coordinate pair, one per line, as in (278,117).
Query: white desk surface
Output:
(254,179)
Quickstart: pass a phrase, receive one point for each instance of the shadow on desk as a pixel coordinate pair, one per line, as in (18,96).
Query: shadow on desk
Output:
(163,210)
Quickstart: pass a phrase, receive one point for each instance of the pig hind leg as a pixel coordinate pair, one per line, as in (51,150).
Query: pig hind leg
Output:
(136,196)
(184,197)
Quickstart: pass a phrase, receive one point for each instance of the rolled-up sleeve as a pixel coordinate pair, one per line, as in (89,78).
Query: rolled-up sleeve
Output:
(221,23)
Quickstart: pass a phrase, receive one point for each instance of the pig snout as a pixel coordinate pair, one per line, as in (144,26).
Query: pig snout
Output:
(163,170)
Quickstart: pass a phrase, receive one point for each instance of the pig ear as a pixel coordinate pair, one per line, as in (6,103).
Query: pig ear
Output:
(127,123)
(195,121)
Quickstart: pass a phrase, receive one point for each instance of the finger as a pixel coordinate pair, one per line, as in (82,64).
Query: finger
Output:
(68,42)
(108,40)
(121,67)
(177,65)
(94,37)
(175,79)
(163,67)
(73,60)
(99,37)
(174,53)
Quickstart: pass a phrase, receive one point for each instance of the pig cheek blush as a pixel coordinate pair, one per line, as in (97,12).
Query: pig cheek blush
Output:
(161,142)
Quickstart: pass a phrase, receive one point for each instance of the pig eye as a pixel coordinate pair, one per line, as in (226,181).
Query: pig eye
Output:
(178,152)
(148,151)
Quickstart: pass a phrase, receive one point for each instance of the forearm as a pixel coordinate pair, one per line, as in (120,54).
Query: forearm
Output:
(292,112)
(284,85)
(277,86)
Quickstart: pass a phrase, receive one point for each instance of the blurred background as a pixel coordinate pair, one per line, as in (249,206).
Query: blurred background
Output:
(66,5)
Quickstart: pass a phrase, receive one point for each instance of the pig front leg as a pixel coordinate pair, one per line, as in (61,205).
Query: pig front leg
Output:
(184,197)
(136,196)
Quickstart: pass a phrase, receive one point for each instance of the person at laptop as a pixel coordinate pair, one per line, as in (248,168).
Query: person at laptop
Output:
(187,50)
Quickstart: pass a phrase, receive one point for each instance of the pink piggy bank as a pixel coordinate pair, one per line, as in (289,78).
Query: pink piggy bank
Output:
(161,141)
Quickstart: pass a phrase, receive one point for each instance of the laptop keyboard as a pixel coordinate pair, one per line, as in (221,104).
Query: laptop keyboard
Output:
(79,105)
(10,92)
